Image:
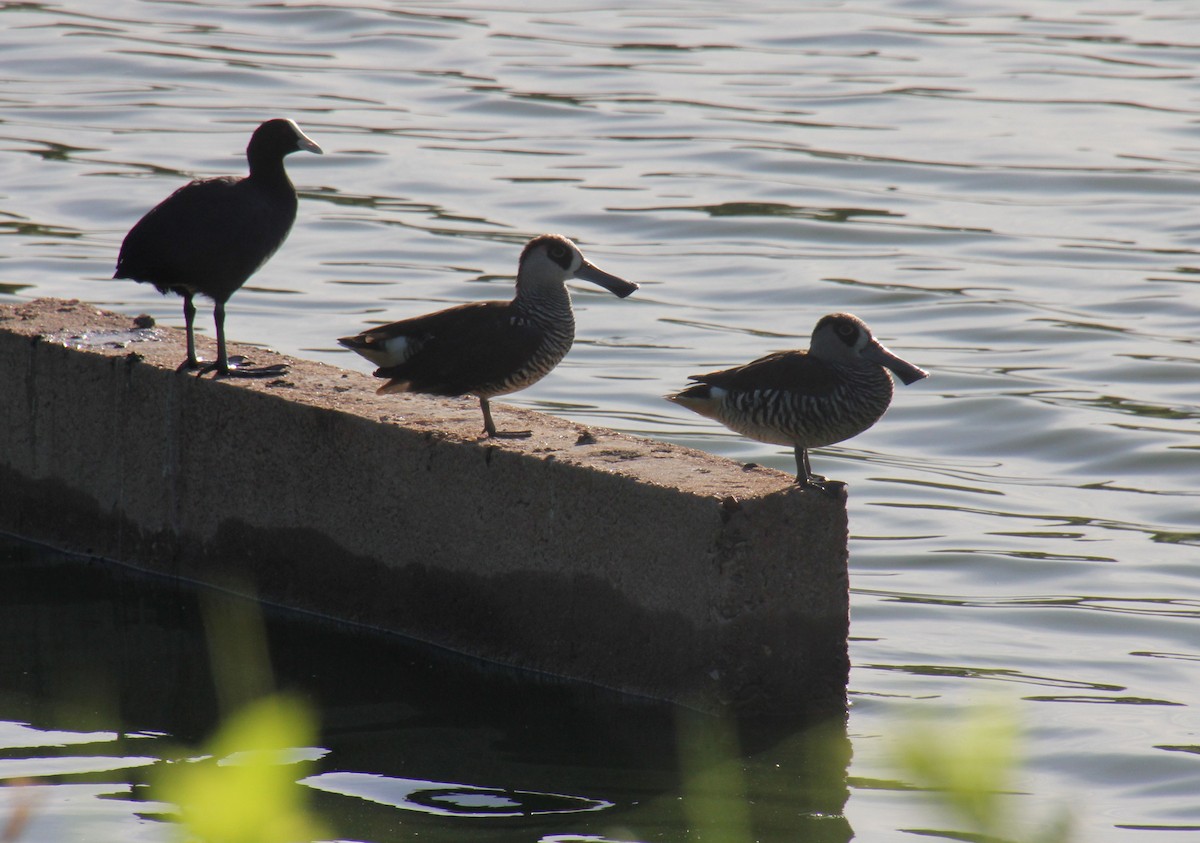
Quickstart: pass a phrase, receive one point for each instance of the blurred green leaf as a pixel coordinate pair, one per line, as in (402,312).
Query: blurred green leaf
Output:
(243,788)
(969,761)
(714,784)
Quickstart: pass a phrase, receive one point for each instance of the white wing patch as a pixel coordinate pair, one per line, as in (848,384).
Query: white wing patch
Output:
(397,350)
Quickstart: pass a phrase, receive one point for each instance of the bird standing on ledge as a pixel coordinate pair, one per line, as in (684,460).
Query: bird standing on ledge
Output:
(210,235)
(489,348)
(807,399)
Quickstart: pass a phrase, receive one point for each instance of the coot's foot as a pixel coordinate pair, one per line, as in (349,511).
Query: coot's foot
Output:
(238,367)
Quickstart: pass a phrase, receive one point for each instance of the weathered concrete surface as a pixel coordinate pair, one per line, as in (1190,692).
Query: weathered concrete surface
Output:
(580,552)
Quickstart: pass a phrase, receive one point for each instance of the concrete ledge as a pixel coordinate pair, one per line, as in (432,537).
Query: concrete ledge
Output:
(580,552)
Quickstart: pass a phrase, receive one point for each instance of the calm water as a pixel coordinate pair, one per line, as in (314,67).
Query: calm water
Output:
(1007,194)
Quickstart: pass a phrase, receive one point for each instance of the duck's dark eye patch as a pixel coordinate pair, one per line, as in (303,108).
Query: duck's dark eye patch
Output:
(847,332)
(560,254)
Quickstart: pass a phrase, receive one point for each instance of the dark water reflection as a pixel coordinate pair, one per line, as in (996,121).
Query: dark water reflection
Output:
(107,671)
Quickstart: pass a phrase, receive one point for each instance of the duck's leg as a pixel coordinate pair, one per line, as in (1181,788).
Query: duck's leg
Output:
(489,426)
(239,369)
(189,321)
(804,475)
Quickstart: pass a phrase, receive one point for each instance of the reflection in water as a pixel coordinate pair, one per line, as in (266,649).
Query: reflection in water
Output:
(33,230)
(774,209)
(451,800)
(110,671)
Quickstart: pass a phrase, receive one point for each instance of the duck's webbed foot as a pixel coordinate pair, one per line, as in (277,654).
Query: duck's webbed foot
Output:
(806,478)
(508,434)
(489,426)
(824,484)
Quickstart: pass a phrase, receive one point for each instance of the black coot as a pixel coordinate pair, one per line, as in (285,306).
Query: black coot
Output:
(211,235)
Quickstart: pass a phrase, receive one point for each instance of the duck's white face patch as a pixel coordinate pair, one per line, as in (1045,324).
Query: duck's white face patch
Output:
(541,265)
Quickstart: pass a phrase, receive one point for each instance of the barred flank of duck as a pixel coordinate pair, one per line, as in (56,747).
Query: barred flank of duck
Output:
(836,389)
(489,348)
(209,236)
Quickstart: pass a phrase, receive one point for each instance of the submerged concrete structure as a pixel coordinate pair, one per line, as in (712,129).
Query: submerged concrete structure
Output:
(579,552)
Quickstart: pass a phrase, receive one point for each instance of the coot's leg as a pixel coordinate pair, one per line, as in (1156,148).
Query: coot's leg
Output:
(189,320)
(239,369)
